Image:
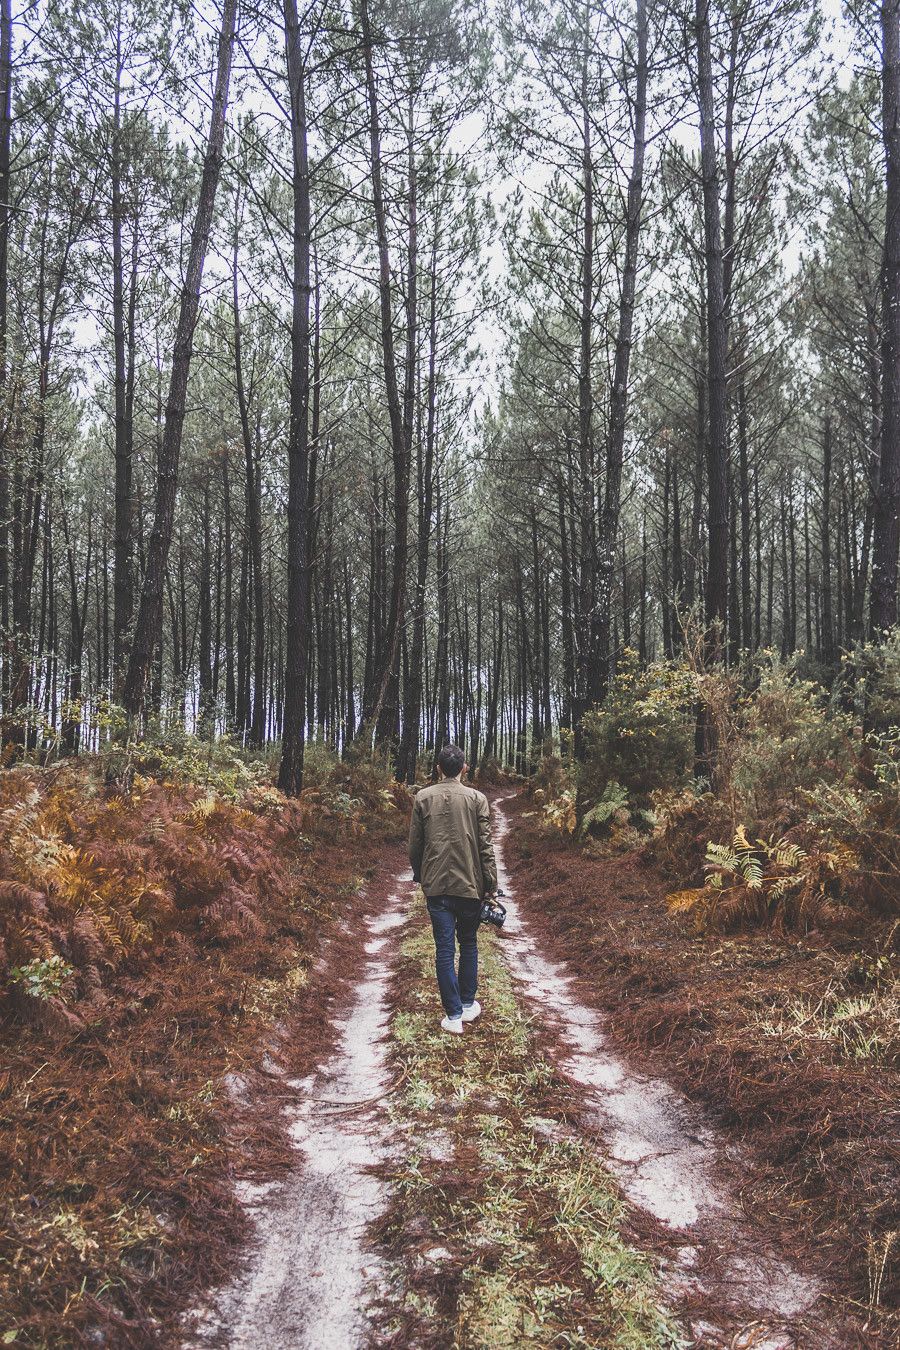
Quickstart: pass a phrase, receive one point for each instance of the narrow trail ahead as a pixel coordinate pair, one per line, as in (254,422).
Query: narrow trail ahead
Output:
(314,1281)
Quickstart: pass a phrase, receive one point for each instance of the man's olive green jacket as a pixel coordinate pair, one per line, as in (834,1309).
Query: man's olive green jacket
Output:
(450,845)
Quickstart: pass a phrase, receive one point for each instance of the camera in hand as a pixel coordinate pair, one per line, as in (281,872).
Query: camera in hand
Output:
(493,912)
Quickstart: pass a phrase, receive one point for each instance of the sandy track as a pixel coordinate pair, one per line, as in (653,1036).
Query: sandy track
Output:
(666,1156)
(308,1278)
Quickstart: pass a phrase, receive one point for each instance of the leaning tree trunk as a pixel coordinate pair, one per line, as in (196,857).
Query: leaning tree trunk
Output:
(886,524)
(148,628)
(293,737)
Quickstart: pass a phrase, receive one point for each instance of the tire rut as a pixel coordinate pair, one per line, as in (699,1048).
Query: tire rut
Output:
(667,1158)
(311,1274)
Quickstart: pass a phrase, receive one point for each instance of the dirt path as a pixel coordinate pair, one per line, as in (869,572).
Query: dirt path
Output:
(670,1162)
(315,1279)
(308,1282)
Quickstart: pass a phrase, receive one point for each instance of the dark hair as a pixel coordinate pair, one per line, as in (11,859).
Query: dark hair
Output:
(450,760)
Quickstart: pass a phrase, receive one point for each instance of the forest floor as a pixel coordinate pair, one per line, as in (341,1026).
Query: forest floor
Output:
(566,1173)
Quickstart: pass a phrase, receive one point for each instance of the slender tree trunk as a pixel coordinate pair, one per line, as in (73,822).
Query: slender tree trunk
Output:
(206,721)
(6,78)
(828,653)
(290,776)
(568,645)
(255,712)
(148,628)
(692,572)
(412,716)
(758,570)
(123,596)
(717,342)
(886,525)
(785,584)
(589,680)
(618,405)
(400,444)
(746,538)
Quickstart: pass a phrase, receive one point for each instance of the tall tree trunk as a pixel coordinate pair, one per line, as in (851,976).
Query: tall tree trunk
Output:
(400,445)
(206,719)
(6,77)
(717,342)
(123,597)
(746,541)
(253,516)
(412,714)
(693,587)
(618,403)
(828,653)
(758,567)
(886,525)
(148,629)
(290,776)
(589,681)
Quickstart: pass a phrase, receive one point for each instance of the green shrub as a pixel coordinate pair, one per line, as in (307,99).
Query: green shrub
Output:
(42,979)
(559,812)
(870,681)
(789,739)
(766,881)
(642,736)
(685,821)
(319,763)
(553,775)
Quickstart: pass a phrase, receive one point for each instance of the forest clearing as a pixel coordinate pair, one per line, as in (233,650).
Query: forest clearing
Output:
(450,469)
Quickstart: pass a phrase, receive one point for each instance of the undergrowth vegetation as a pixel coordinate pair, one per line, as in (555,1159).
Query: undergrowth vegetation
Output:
(763,962)
(151,934)
(795,819)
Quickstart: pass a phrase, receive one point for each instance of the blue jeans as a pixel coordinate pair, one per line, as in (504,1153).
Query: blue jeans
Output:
(452,920)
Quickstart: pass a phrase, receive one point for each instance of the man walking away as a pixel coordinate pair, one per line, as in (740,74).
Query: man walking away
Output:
(452,855)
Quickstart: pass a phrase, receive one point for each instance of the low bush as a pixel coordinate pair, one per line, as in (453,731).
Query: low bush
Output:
(869,682)
(491,773)
(91,877)
(641,736)
(792,765)
(789,739)
(685,821)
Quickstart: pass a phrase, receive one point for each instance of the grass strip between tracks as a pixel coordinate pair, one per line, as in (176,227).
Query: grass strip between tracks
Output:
(504,1226)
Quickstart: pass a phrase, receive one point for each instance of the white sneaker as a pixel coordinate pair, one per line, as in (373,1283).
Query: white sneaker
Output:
(453,1024)
(471,1012)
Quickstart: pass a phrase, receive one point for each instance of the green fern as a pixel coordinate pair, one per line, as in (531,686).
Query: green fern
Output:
(761,880)
(737,860)
(615,798)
